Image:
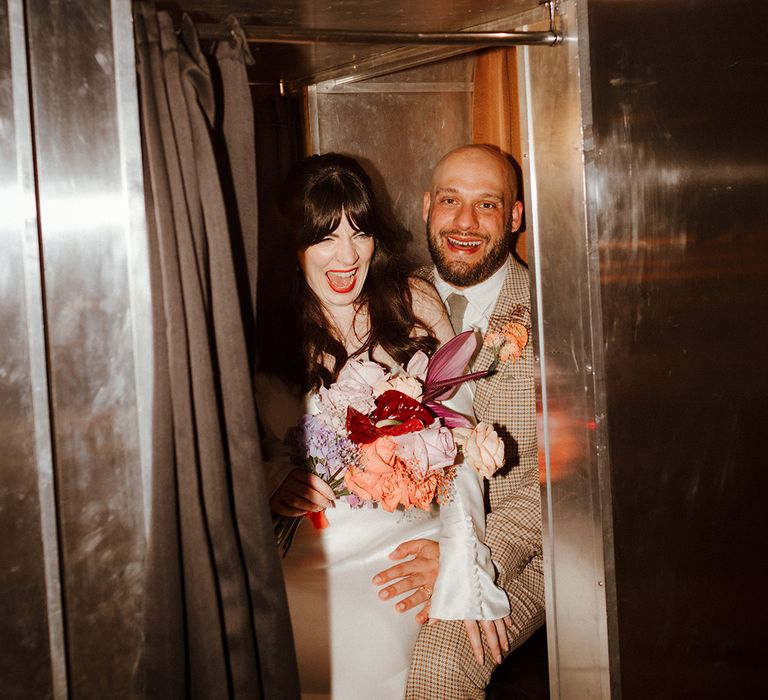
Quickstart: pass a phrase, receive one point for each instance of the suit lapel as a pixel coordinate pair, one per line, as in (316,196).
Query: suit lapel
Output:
(513,304)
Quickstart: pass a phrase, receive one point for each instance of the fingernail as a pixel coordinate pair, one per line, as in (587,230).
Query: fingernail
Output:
(384,594)
(377,579)
(401,607)
(498,659)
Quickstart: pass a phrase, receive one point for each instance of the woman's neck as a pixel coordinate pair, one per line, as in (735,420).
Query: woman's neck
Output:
(350,325)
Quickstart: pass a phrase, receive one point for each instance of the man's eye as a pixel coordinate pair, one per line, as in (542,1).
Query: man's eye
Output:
(448,200)
(487,205)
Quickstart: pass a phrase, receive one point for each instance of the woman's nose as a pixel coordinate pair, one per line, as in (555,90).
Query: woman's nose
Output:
(346,252)
(466,218)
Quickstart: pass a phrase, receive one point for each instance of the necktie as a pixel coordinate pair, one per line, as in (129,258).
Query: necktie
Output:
(457,305)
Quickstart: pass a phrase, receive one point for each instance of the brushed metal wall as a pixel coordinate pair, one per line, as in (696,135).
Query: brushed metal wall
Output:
(678,191)
(32,663)
(574,463)
(74,330)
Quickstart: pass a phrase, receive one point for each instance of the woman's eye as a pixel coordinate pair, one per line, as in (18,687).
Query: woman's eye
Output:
(363,234)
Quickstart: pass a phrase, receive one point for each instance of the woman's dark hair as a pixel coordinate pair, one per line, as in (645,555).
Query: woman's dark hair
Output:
(316,193)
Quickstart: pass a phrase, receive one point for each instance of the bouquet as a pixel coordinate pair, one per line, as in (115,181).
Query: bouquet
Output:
(384,438)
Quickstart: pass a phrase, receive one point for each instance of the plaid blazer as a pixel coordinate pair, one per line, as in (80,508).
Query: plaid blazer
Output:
(443,665)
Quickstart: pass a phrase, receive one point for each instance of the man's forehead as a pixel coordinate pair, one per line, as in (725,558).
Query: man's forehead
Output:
(482,193)
(471,169)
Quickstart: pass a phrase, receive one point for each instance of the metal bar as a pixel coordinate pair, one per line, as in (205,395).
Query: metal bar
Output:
(299,35)
(331,87)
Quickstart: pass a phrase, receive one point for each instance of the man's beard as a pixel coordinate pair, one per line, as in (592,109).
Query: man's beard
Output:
(463,274)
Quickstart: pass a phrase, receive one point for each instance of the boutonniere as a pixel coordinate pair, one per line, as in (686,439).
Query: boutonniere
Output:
(508,342)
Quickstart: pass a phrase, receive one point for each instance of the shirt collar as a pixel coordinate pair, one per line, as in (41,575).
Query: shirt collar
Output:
(479,296)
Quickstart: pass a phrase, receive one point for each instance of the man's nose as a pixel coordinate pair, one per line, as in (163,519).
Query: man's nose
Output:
(466,218)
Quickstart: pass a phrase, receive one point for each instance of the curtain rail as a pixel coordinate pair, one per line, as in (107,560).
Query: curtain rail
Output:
(297,35)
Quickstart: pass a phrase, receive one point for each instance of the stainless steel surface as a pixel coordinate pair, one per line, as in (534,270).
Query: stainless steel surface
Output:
(678,192)
(568,346)
(400,159)
(300,35)
(88,178)
(299,66)
(33,660)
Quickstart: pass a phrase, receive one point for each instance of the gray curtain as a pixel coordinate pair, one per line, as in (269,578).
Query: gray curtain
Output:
(217,623)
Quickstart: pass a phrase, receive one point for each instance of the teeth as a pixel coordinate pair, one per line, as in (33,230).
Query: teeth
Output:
(351,273)
(463,244)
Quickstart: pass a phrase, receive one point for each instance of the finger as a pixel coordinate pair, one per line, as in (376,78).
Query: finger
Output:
(421,595)
(501,633)
(491,639)
(304,501)
(473,632)
(415,547)
(323,488)
(508,622)
(423,615)
(409,583)
(280,509)
(398,571)
(299,495)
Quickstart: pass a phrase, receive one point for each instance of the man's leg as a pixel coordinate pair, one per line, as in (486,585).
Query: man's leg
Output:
(444,667)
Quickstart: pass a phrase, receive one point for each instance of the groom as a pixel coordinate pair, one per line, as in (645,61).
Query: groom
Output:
(471,212)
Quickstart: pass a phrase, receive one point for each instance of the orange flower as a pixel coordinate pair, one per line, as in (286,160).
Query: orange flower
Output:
(509,342)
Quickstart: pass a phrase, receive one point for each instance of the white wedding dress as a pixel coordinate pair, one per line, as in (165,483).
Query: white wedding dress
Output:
(350,644)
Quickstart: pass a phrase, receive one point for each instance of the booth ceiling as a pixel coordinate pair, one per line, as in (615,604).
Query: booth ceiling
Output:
(301,63)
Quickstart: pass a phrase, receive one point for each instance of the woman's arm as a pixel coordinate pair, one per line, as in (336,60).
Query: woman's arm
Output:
(429,308)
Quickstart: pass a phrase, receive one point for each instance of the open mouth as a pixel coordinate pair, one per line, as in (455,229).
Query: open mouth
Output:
(341,281)
(465,246)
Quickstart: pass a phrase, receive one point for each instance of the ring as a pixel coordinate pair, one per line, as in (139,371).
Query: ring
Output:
(427,590)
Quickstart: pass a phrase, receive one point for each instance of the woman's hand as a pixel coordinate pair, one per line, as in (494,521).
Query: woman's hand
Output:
(417,574)
(495,633)
(302,492)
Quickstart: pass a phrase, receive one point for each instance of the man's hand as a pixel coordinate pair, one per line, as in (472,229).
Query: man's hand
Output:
(418,574)
(495,634)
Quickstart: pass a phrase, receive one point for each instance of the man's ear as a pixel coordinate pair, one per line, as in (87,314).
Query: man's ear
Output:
(425,206)
(517,215)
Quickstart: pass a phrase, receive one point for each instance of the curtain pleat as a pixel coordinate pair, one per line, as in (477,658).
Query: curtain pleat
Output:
(237,125)
(216,612)
(495,111)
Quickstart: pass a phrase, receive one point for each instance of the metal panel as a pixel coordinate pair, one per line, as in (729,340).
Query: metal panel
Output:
(84,108)
(568,345)
(679,190)
(362,124)
(32,663)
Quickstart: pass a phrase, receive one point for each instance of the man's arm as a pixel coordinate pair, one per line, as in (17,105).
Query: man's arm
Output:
(513,534)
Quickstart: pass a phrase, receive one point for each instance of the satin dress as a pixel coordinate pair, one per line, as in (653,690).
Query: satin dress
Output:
(350,644)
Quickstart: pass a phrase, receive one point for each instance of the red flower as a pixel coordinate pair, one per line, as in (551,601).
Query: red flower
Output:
(395,414)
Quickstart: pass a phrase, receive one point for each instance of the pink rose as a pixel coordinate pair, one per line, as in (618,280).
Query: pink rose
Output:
(417,366)
(363,373)
(483,448)
(410,386)
(431,448)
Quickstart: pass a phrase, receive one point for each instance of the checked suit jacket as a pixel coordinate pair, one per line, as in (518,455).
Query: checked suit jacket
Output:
(507,400)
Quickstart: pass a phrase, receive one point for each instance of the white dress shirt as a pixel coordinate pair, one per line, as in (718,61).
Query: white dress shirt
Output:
(481,298)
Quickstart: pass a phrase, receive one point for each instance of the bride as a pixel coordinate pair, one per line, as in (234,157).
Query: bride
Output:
(349,298)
